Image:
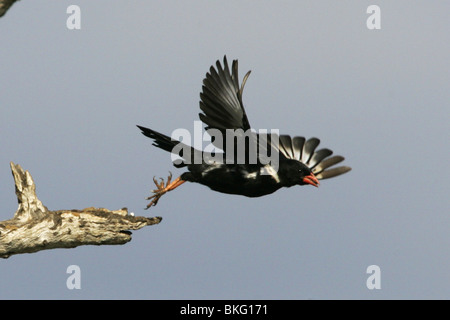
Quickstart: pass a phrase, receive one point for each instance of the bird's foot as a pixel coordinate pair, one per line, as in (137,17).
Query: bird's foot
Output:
(162,188)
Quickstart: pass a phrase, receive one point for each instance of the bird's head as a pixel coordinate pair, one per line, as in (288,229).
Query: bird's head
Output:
(306,175)
(294,172)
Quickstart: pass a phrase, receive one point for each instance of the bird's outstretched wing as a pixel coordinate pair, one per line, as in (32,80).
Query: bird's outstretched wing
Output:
(300,149)
(221,98)
(222,106)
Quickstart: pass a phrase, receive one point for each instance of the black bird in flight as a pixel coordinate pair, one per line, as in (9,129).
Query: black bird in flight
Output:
(296,163)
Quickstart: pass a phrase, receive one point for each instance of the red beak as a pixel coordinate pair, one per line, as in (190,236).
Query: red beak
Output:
(312,180)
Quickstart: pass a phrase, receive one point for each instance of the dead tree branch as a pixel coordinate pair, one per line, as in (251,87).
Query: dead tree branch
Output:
(34,227)
(5,5)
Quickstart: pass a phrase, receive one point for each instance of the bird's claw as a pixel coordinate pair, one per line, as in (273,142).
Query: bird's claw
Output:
(161,189)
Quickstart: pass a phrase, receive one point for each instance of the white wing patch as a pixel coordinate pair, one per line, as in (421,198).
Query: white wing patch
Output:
(269,170)
(252,175)
(210,168)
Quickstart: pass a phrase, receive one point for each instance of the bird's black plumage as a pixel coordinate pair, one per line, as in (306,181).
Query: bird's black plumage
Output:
(222,109)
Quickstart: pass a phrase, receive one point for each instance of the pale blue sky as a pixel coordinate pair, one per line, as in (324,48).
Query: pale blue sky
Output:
(70,101)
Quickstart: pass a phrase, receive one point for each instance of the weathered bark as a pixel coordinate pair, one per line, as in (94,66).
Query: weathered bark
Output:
(34,227)
(5,5)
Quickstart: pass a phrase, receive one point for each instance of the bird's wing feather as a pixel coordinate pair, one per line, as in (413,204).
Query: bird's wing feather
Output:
(300,149)
(221,98)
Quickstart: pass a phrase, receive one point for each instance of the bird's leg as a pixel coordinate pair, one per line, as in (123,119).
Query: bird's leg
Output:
(163,188)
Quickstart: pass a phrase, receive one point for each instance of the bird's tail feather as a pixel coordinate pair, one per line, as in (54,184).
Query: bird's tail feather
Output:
(168,144)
